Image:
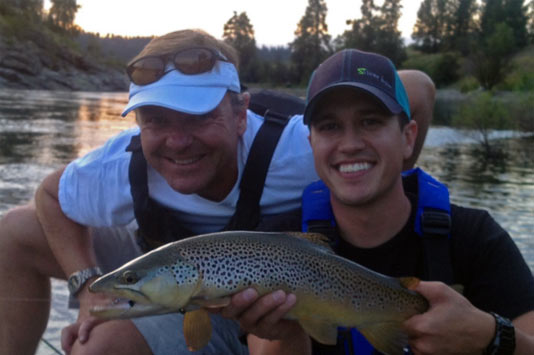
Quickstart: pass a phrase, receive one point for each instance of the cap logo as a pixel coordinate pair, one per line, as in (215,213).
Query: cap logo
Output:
(367,72)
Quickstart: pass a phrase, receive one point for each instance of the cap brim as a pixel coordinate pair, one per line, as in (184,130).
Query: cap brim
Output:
(192,100)
(386,100)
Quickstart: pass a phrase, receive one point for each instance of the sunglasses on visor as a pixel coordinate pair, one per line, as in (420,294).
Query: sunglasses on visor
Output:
(149,69)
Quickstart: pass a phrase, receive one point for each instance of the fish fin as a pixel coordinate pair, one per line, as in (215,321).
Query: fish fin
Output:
(211,303)
(197,329)
(316,238)
(322,332)
(386,337)
(409,282)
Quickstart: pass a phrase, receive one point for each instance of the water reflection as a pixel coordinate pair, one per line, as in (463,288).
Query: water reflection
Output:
(504,187)
(42,130)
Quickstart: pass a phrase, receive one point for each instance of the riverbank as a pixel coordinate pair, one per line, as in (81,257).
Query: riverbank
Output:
(36,55)
(27,65)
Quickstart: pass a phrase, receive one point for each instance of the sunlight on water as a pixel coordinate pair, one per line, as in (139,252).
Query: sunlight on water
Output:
(42,130)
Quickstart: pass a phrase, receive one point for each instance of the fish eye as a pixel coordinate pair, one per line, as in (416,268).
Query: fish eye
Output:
(129,277)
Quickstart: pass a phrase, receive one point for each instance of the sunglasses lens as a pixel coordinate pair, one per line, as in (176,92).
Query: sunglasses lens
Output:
(194,61)
(146,70)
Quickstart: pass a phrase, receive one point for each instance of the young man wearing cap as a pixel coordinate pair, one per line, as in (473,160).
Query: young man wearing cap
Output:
(360,133)
(195,134)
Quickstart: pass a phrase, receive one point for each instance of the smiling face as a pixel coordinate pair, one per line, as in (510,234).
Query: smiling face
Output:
(194,153)
(358,147)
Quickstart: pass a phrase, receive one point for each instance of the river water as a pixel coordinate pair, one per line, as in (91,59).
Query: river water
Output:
(42,130)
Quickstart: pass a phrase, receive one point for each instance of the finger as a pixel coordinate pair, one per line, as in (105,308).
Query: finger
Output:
(261,308)
(273,326)
(68,336)
(278,314)
(240,302)
(431,289)
(85,329)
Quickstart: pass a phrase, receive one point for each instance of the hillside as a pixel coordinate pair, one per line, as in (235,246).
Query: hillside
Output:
(32,56)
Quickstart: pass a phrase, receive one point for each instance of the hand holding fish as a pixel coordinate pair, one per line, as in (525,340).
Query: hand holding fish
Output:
(81,329)
(263,316)
(452,325)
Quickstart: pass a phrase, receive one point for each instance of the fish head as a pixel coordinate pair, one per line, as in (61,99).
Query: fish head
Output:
(155,283)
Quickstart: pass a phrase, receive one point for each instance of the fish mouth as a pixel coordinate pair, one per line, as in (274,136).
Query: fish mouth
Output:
(123,308)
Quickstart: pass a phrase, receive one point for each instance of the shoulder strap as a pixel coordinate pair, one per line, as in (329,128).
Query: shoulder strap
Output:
(247,214)
(317,215)
(137,174)
(433,224)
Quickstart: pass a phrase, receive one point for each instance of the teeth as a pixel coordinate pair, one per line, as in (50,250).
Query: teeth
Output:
(185,162)
(352,168)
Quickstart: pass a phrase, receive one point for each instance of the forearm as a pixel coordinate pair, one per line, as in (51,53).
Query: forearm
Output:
(68,240)
(524,334)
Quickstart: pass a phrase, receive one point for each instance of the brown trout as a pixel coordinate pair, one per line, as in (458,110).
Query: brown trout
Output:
(204,271)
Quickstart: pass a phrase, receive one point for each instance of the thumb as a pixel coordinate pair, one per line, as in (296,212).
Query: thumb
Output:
(433,291)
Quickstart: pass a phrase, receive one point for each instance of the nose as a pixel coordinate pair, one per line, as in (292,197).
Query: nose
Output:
(351,141)
(178,137)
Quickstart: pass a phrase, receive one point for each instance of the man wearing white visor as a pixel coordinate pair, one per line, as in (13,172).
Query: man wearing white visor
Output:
(179,173)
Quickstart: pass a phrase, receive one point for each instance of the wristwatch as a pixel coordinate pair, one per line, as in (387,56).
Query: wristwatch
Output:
(79,278)
(503,342)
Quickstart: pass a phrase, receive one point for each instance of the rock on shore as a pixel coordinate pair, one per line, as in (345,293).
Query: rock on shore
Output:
(31,65)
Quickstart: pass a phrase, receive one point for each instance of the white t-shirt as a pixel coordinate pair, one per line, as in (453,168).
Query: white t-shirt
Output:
(94,190)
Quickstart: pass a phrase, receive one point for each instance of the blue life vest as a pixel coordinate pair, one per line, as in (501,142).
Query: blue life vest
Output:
(432,223)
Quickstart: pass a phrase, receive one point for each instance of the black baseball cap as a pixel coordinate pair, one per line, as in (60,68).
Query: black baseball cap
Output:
(370,72)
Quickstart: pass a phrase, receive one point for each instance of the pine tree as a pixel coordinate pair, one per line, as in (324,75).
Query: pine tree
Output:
(377,30)
(530,16)
(312,42)
(239,33)
(463,25)
(433,25)
(62,14)
(513,13)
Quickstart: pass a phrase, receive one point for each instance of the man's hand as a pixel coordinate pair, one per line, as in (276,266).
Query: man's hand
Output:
(452,325)
(263,316)
(81,329)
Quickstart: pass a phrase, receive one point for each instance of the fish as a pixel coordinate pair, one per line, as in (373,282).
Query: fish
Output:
(204,271)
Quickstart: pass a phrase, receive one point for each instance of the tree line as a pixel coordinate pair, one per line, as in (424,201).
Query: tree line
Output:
(486,33)
(60,17)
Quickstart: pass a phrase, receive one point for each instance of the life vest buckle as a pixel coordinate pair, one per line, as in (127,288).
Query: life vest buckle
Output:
(435,223)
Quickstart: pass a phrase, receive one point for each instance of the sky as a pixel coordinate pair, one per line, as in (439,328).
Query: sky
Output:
(274,21)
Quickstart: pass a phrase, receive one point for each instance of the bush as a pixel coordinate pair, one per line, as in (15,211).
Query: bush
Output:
(441,67)
(467,84)
(482,113)
(523,112)
(521,77)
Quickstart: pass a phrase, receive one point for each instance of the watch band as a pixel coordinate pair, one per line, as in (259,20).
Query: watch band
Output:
(79,278)
(503,342)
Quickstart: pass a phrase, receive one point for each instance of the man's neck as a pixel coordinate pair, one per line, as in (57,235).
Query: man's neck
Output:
(373,224)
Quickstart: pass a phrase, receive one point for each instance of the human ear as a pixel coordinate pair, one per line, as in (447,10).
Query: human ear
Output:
(242,115)
(409,134)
